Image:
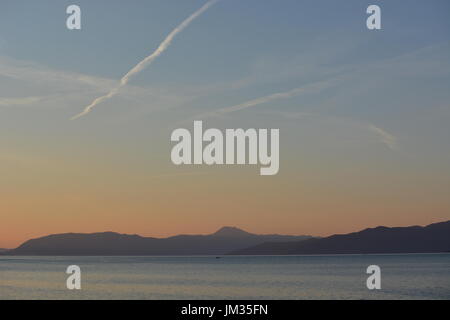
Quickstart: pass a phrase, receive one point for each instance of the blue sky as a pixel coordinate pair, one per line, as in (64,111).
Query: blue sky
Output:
(234,41)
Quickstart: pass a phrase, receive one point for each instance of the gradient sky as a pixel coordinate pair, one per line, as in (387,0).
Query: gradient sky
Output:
(366,143)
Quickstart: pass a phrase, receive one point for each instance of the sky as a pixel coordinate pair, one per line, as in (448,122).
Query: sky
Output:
(363,116)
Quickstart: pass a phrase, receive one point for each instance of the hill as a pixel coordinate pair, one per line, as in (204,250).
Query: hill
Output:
(415,239)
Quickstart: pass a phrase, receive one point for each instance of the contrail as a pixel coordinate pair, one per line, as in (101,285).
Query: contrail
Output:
(148,60)
(275,96)
(309,88)
(388,139)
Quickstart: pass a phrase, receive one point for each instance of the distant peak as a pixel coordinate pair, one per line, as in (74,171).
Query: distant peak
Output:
(230,232)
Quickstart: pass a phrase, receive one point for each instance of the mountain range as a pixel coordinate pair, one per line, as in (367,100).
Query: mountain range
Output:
(223,241)
(233,241)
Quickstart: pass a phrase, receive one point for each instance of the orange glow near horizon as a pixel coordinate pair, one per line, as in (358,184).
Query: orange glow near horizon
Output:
(60,194)
(169,206)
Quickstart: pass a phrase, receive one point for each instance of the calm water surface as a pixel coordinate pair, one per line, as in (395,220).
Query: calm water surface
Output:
(414,276)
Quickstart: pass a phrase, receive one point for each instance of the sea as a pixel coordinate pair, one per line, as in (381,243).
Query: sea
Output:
(406,276)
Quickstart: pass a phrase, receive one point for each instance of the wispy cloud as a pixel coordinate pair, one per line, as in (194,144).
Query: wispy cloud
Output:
(40,76)
(388,139)
(148,60)
(343,122)
(7,102)
(30,84)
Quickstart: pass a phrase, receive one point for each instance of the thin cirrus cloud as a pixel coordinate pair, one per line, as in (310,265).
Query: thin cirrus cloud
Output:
(14,69)
(148,60)
(60,89)
(7,102)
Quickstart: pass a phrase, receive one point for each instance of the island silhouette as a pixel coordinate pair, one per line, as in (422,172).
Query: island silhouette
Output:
(433,238)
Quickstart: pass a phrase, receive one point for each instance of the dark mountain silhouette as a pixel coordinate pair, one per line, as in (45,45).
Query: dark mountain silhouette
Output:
(432,238)
(110,243)
(231,232)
